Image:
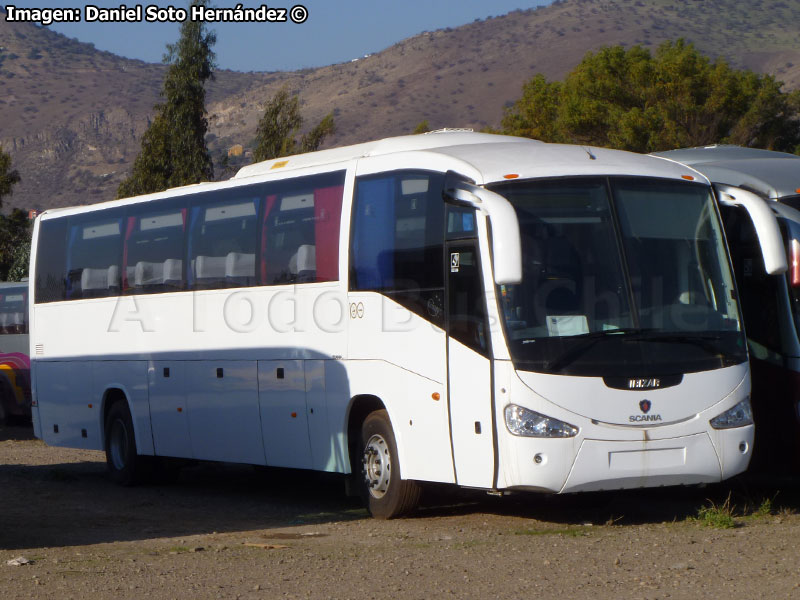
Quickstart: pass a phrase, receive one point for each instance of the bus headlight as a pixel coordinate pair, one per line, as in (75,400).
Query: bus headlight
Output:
(738,416)
(528,423)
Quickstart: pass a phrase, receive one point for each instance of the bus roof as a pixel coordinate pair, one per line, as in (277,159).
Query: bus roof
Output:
(774,175)
(407,143)
(521,157)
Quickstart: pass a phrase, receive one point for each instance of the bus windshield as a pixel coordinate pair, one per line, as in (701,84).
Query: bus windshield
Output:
(622,276)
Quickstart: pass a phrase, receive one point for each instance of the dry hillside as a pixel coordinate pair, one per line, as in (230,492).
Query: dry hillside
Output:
(72,116)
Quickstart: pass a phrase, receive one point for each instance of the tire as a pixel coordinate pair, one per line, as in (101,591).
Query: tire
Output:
(125,467)
(386,494)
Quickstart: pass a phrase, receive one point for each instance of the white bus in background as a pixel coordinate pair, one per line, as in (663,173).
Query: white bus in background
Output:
(15,388)
(770,302)
(486,311)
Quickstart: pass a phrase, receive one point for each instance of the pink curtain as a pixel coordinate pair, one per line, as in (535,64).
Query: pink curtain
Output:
(327,216)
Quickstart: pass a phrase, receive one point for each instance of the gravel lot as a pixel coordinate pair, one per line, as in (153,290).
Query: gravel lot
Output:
(226,531)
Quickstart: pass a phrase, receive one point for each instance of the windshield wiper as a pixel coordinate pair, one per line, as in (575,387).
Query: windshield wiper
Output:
(584,342)
(701,340)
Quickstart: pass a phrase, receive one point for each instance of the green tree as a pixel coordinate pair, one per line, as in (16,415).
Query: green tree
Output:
(312,140)
(8,176)
(280,124)
(19,264)
(15,242)
(422,127)
(15,237)
(174,150)
(634,100)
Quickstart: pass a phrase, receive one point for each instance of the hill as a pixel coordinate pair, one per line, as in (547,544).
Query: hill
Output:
(72,116)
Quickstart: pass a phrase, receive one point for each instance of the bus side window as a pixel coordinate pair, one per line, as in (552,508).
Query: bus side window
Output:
(152,257)
(51,283)
(14,310)
(222,240)
(397,240)
(397,243)
(94,253)
(460,222)
(300,230)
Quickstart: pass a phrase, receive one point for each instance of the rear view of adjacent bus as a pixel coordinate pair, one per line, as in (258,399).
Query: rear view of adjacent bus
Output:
(15,388)
(486,311)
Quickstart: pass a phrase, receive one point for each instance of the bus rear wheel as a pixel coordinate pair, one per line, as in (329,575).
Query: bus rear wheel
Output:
(387,495)
(125,466)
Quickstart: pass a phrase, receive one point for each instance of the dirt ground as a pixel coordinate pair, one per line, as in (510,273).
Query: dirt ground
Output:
(226,531)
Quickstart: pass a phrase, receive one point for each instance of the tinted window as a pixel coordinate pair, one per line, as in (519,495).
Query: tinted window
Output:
(222,239)
(94,252)
(466,300)
(51,283)
(621,276)
(300,230)
(758,291)
(398,231)
(273,233)
(152,257)
(460,222)
(14,309)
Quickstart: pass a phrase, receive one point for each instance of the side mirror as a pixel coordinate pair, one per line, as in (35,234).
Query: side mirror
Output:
(506,244)
(765,223)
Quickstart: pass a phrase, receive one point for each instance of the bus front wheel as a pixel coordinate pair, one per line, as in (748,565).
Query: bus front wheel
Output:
(386,494)
(124,465)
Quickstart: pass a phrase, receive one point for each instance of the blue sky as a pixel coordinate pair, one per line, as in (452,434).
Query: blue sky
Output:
(336,30)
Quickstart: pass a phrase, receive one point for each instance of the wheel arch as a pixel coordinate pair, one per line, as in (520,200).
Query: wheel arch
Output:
(110,396)
(360,406)
(113,393)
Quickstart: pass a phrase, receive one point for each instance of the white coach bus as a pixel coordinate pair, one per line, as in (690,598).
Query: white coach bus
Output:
(486,311)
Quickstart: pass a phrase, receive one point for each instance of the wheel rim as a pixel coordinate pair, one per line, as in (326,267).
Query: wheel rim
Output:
(118,445)
(377,466)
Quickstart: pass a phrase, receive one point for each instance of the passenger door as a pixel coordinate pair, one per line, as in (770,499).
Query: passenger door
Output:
(468,364)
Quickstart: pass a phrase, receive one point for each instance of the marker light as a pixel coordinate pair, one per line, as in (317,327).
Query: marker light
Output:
(687,177)
(738,416)
(528,423)
(795,251)
(511,176)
